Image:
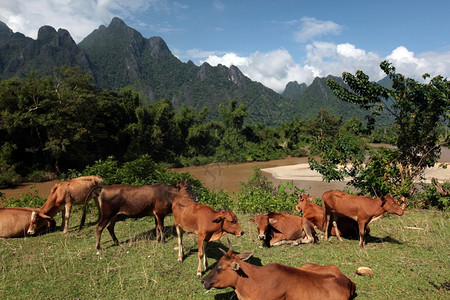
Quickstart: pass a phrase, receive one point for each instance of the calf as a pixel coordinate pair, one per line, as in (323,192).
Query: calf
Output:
(62,196)
(314,213)
(205,222)
(278,229)
(359,208)
(14,222)
(137,201)
(276,281)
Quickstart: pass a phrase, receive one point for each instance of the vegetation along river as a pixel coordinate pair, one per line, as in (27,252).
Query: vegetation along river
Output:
(229,176)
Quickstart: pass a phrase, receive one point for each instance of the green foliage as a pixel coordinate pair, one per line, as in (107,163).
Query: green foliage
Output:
(216,199)
(429,197)
(30,199)
(258,195)
(339,158)
(418,110)
(9,178)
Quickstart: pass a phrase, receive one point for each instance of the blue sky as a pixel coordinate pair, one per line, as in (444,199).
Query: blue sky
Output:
(272,42)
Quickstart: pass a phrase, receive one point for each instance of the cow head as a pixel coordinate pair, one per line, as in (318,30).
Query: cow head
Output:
(265,226)
(227,270)
(229,222)
(302,200)
(390,205)
(39,221)
(186,190)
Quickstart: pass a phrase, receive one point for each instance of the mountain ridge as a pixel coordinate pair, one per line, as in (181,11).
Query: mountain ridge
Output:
(118,56)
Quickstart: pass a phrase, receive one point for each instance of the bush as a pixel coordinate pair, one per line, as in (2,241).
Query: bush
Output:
(258,195)
(31,199)
(9,178)
(430,197)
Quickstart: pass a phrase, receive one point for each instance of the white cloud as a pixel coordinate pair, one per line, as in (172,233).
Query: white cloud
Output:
(311,28)
(273,69)
(276,68)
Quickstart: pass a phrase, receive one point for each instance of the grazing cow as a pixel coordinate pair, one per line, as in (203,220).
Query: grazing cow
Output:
(279,229)
(277,281)
(359,208)
(314,213)
(205,222)
(137,201)
(62,196)
(14,222)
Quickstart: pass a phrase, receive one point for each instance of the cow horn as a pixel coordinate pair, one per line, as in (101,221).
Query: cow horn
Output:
(229,245)
(225,253)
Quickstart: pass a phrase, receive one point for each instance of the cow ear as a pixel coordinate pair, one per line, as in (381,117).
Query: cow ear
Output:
(218,219)
(235,266)
(272,221)
(246,255)
(253,220)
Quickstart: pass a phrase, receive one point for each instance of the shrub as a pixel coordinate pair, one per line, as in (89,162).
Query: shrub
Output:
(258,195)
(430,197)
(31,199)
(9,178)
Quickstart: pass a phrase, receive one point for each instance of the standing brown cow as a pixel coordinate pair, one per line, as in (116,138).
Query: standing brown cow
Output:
(279,229)
(205,222)
(277,281)
(359,208)
(62,196)
(14,222)
(314,213)
(137,201)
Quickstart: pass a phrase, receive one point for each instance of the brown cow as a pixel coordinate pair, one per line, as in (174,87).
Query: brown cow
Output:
(314,213)
(62,196)
(276,281)
(279,229)
(137,201)
(359,208)
(14,222)
(205,222)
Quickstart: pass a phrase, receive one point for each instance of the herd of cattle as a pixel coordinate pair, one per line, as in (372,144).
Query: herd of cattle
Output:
(341,214)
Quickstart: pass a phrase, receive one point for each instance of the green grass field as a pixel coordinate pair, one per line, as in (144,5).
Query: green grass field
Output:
(407,263)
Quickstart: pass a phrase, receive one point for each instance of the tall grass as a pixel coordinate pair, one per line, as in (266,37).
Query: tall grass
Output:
(409,256)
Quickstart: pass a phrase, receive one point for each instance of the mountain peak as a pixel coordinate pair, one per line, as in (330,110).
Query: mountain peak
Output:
(117,23)
(4,28)
(46,33)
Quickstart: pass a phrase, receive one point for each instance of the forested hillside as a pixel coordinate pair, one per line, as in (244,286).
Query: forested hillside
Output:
(118,56)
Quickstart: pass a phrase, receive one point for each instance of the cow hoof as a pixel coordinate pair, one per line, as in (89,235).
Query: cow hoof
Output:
(199,275)
(176,248)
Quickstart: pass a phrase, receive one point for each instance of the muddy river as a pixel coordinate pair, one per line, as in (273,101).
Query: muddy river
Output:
(229,176)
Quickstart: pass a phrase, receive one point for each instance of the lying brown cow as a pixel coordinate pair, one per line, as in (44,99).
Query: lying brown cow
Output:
(62,196)
(359,208)
(14,222)
(314,213)
(278,229)
(276,281)
(205,222)
(137,201)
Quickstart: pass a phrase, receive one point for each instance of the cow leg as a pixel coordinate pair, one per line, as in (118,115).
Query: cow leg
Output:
(362,240)
(110,227)
(336,230)
(180,243)
(66,216)
(201,254)
(327,225)
(308,238)
(159,223)
(101,225)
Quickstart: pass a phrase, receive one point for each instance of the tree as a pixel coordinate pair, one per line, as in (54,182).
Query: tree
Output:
(418,109)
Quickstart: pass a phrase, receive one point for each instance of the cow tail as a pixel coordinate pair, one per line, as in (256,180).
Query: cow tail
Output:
(83,217)
(324,213)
